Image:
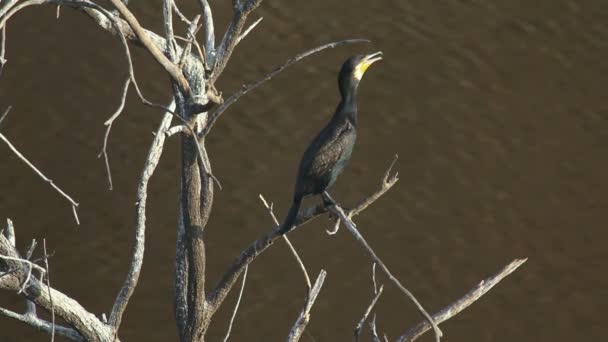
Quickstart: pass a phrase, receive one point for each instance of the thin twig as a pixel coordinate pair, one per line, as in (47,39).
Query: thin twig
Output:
(6,111)
(291,248)
(169,66)
(27,279)
(125,44)
(200,50)
(2,50)
(233,32)
(249,29)
(30,250)
(370,307)
(300,324)
(119,32)
(130,283)
(387,182)
(192,28)
(201,54)
(236,306)
(205,168)
(10,232)
(295,253)
(176,129)
(30,266)
(43,325)
(453,309)
(17,8)
(48,286)
(374,283)
(169,36)
(337,210)
(7,5)
(30,306)
(41,175)
(108,124)
(179,13)
(209,32)
(215,114)
(372,326)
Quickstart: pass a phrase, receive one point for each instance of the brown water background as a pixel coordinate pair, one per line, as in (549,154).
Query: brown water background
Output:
(497,110)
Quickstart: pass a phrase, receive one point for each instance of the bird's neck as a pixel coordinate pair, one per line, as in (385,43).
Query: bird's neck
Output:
(347,109)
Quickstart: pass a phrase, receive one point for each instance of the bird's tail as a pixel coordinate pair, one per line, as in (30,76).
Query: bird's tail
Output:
(290,220)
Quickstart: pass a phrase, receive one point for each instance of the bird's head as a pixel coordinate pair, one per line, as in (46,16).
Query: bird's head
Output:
(353,69)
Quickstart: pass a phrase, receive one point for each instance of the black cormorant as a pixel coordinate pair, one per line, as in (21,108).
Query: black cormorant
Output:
(327,155)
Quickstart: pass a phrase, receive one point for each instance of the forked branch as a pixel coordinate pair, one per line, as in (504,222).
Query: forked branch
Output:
(370,307)
(311,291)
(158,55)
(231,37)
(339,212)
(289,244)
(227,281)
(15,272)
(108,124)
(453,309)
(300,324)
(42,325)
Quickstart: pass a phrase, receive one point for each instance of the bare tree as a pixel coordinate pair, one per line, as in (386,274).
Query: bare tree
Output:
(193,68)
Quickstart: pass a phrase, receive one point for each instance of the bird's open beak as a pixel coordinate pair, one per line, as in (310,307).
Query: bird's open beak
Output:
(366,62)
(371,58)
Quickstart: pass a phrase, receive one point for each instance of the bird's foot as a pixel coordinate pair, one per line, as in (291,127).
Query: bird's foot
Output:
(334,229)
(328,201)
